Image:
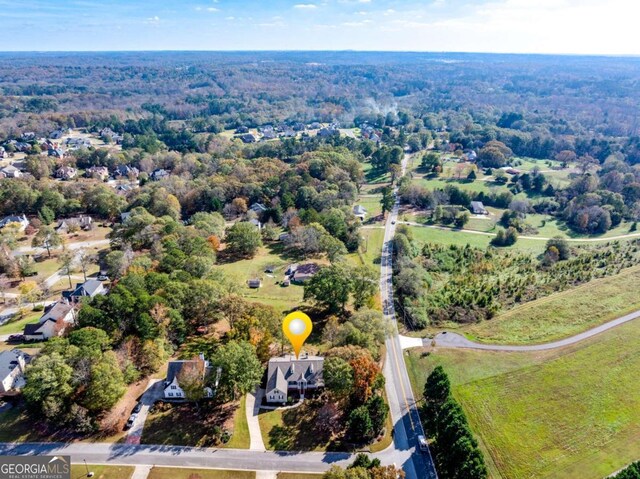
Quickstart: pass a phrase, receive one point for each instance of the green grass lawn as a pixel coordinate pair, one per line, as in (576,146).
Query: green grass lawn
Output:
(564,314)
(573,412)
(101,471)
(371,248)
(240,438)
(13,327)
(189,473)
(371,204)
(270,293)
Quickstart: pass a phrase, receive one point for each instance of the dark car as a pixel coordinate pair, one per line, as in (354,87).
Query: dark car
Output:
(136,408)
(130,421)
(16,338)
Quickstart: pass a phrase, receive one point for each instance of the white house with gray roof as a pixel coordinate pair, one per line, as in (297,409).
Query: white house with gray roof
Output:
(287,374)
(12,365)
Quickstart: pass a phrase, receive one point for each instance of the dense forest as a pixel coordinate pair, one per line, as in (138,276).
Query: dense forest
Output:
(537,105)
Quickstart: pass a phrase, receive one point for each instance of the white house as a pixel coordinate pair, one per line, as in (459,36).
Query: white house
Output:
(360,212)
(52,323)
(197,366)
(89,289)
(287,374)
(20,220)
(12,365)
(11,171)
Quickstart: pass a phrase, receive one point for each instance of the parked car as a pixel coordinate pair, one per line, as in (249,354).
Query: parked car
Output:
(16,338)
(136,408)
(103,277)
(423,444)
(130,421)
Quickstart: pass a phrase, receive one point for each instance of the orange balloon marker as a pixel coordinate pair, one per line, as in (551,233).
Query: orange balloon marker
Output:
(297,327)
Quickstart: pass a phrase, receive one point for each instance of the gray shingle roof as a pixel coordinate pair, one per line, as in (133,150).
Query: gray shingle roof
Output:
(289,369)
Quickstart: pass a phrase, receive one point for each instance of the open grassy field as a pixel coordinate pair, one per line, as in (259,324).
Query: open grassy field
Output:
(564,314)
(102,471)
(189,473)
(371,248)
(270,293)
(371,204)
(566,413)
(461,238)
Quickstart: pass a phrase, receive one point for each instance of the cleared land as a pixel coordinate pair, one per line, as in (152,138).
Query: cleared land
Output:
(271,293)
(563,314)
(573,412)
(197,425)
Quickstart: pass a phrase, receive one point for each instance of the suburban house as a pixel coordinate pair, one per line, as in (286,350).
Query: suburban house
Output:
(20,220)
(97,172)
(477,208)
(328,132)
(303,272)
(11,171)
(66,172)
(197,366)
(247,138)
(56,152)
(88,289)
(360,212)
(288,374)
(158,174)
(83,222)
(126,171)
(57,134)
(52,323)
(76,143)
(12,366)
(258,208)
(241,130)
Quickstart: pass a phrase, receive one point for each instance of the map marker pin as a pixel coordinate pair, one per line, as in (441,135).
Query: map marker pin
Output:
(297,327)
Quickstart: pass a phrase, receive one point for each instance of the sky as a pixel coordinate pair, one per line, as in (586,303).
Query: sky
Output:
(502,26)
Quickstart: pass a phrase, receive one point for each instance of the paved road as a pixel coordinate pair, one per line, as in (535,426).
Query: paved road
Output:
(536,238)
(404,412)
(454,340)
(179,456)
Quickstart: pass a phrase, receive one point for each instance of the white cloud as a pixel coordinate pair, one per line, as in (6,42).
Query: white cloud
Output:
(305,6)
(153,20)
(213,9)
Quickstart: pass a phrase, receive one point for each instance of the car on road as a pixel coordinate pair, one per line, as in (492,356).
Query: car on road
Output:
(130,421)
(136,408)
(393,222)
(423,445)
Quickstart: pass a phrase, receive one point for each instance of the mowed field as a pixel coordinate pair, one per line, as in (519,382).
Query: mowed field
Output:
(569,413)
(564,314)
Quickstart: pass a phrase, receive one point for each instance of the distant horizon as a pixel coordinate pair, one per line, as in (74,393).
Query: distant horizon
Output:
(553,27)
(427,52)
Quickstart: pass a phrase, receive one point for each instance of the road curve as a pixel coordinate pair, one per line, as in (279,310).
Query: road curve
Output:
(454,340)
